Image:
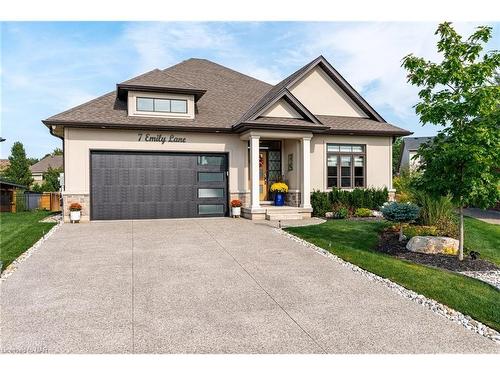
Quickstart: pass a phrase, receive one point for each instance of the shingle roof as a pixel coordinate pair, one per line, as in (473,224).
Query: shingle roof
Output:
(232,102)
(50,161)
(229,95)
(4,163)
(158,78)
(347,125)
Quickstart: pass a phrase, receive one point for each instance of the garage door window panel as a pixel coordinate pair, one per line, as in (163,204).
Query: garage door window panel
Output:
(210,209)
(210,193)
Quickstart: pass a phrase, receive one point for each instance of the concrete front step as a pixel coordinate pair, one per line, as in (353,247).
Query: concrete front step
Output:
(283,216)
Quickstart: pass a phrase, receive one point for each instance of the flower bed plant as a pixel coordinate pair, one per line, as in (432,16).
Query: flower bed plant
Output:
(363,212)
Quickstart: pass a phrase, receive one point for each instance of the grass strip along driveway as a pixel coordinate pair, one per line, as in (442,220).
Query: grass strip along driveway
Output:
(484,238)
(19,231)
(353,241)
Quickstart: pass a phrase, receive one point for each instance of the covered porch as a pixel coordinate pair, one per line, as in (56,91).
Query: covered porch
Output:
(278,156)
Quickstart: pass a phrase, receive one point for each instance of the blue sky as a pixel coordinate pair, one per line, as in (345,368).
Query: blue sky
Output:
(48,67)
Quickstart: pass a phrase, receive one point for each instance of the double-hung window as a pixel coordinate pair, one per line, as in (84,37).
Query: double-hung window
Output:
(346,165)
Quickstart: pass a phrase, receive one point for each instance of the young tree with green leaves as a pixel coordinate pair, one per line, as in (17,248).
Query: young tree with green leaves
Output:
(461,95)
(19,169)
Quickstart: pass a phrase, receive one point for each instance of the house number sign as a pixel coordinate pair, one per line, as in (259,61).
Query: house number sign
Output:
(160,138)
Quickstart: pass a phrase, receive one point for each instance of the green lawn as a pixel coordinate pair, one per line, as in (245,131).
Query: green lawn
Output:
(19,231)
(353,241)
(484,238)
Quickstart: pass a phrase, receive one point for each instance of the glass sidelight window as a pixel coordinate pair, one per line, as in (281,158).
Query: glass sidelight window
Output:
(346,166)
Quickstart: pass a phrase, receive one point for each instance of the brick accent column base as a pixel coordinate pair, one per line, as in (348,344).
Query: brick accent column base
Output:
(243,197)
(83,199)
(292,199)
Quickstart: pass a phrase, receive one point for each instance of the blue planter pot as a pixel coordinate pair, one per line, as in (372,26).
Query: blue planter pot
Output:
(279,199)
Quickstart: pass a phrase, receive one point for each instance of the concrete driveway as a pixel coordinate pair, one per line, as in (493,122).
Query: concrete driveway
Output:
(207,286)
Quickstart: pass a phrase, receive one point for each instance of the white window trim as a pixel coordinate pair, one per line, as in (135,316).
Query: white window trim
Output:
(325,167)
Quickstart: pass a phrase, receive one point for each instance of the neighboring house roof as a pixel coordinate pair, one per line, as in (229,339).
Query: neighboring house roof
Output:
(8,184)
(411,144)
(414,143)
(50,161)
(227,101)
(4,164)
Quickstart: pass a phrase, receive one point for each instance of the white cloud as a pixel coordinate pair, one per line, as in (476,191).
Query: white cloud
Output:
(369,56)
(161,44)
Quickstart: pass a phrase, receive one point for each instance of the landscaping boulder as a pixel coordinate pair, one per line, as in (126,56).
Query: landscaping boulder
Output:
(433,245)
(329,215)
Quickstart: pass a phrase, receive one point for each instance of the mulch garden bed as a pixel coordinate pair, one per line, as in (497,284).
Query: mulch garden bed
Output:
(389,244)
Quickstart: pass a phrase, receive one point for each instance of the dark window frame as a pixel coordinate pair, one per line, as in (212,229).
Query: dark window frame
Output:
(154,99)
(352,176)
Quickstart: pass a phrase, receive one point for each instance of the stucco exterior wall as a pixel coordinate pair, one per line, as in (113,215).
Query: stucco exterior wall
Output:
(281,109)
(79,142)
(322,96)
(378,159)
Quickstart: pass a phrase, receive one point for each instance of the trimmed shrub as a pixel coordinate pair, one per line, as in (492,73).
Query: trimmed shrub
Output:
(320,203)
(323,202)
(363,212)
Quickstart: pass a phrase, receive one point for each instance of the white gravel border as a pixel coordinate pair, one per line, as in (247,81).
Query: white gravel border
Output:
(21,258)
(432,305)
(490,277)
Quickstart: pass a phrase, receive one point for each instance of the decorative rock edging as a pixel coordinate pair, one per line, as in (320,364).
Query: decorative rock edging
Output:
(490,277)
(21,258)
(432,305)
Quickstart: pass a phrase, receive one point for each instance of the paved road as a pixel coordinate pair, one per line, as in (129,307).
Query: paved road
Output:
(488,216)
(207,286)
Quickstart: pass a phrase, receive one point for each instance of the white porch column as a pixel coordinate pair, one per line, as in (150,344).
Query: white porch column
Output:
(305,180)
(254,171)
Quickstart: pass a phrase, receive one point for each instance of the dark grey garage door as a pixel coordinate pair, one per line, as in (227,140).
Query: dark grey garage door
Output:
(133,185)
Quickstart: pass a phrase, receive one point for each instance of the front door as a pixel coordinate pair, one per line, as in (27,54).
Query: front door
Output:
(263,188)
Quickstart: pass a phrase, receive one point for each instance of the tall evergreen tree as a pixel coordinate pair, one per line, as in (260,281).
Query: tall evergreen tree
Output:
(19,169)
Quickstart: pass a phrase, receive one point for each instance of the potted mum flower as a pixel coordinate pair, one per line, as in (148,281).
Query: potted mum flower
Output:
(74,211)
(236,208)
(279,189)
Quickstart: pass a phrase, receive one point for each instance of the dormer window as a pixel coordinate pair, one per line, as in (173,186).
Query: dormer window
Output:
(161,105)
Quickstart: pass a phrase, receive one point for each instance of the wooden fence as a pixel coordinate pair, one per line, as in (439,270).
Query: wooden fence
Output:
(27,201)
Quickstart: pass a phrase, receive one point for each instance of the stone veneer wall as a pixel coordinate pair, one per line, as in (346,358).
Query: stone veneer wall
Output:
(83,199)
(292,199)
(243,197)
